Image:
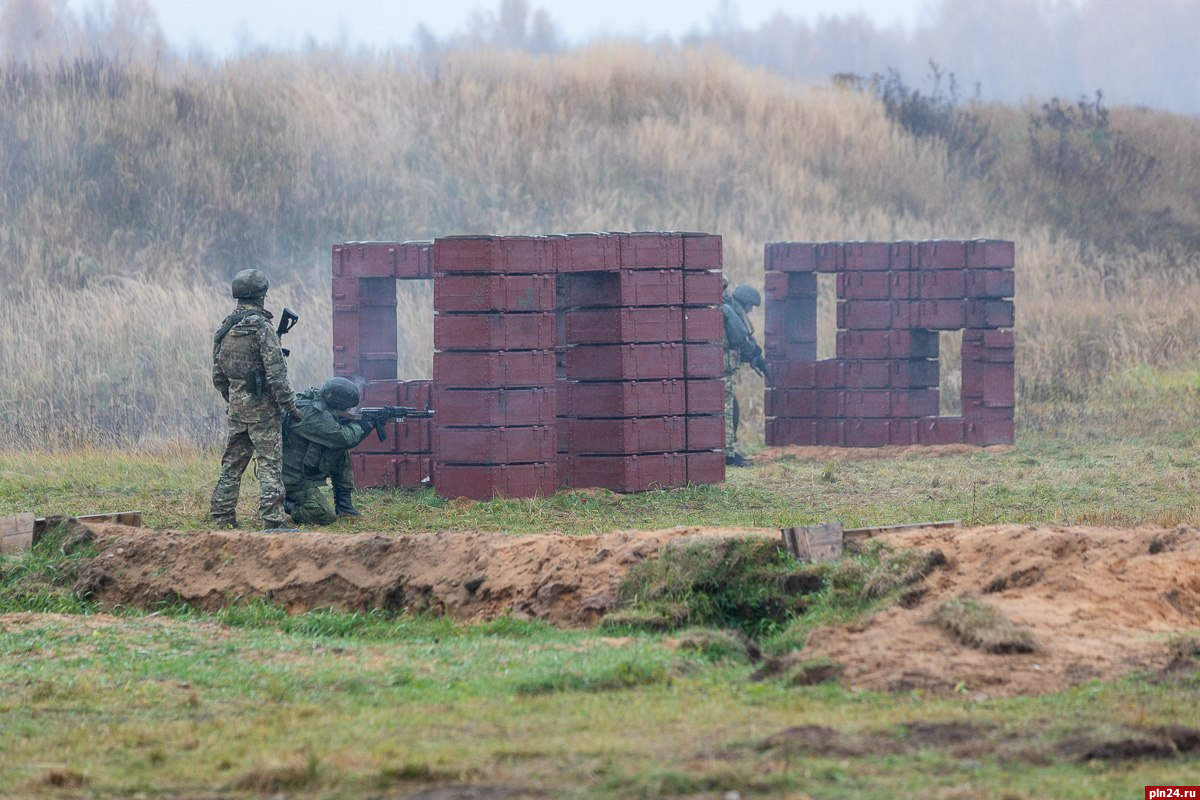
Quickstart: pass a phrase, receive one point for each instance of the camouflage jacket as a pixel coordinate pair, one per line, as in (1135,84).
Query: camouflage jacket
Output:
(312,445)
(248,367)
(740,346)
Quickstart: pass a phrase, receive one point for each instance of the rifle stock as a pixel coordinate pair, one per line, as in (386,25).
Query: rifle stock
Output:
(287,321)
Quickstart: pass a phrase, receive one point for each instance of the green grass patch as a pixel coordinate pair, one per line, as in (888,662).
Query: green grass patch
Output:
(980,625)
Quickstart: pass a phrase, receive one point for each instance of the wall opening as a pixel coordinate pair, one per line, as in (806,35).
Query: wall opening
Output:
(826,315)
(950,373)
(414,329)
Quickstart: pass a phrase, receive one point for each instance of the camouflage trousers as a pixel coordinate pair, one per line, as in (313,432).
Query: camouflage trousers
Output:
(730,427)
(309,506)
(245,440)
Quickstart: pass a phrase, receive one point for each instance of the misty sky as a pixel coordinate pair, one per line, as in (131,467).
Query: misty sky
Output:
(222,26)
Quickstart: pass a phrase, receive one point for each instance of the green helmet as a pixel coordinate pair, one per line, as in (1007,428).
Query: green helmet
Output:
(339,394)
(249,283)
(747,295)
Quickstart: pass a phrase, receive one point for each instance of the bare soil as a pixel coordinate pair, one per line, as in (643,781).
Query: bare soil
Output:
(1101,602)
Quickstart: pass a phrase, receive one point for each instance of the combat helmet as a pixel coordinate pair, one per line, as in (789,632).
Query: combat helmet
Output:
(340,393)
(249,284)
(747,295)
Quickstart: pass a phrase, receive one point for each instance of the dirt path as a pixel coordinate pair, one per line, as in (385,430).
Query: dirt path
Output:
(1101,602)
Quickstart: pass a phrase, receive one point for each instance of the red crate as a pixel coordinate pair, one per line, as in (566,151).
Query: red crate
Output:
(831,403)
(624,325)
(704,325)
(793,374)
(415,394)
(705,432)
(378,393)
(702,288)
(414,260)
(495,369)
(636,473)
(894,344)
(365,259)
(869,256)
(830,373)
(902,284)
(384,471)
(790,402)
(831,257)
(941,254)
(705,468)
(867,403)
(941,284)
(830,433)
(992,383)
(787,430)
(630,435)
(604,362)
(489,481)
(345,343)
(940,430)
(702,251)
(790,257)
(775,285)
(587,252)
(990,283)
(902,255)
(989,432)
(913,403)
(511,255)
(989,314)
(494,406)
(913,373)
(533,331)
(914,344)
(703,360)
(625,398)
(867,432)
(651,250)
(867,374)
(494,293)
(705,396)
(865,314)
(973,408)
(502,445)
(903,432)
(990,254)
(864,285)
(649,287)
(940,315)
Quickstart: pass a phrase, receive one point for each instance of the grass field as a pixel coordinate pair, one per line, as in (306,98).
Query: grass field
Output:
(252,702)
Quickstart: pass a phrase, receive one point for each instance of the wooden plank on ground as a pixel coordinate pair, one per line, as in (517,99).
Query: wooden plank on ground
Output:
(859,534)
(16,533)
(815,543)
(130,518)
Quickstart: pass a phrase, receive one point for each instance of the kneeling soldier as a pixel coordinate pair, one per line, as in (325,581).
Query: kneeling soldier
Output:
(316,449)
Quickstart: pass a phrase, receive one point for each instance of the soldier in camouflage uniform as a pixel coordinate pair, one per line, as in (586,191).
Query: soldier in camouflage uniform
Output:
(249,372)
(740,348)
(316,448)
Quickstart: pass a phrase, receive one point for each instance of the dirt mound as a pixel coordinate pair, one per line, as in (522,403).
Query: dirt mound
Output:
(565,580)
(1099,602)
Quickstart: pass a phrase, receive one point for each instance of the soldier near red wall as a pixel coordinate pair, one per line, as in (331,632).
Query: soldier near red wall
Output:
(740,348)
(316,449)
(249,371)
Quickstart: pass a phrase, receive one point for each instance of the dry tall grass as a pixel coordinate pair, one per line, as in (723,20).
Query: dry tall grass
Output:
(128,198)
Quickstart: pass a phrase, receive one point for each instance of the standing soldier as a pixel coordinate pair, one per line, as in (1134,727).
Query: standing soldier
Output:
(250,373)
(740,348)
(316,449)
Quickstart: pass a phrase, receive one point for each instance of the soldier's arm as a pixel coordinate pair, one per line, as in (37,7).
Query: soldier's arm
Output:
(220,380)
(275,368)
(327,430)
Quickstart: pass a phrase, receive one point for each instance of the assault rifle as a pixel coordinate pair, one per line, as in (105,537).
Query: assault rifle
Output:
(377,417)
(287,321)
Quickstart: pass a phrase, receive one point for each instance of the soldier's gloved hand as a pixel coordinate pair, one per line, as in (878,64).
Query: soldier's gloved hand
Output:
(294,413)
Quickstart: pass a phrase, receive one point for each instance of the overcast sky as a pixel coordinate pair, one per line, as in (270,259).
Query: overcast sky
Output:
(221,26)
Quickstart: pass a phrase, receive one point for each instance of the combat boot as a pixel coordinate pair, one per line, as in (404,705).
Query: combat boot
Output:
(225,523)
(342,504)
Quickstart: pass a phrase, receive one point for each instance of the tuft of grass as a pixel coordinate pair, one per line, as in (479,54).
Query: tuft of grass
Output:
(980,625)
